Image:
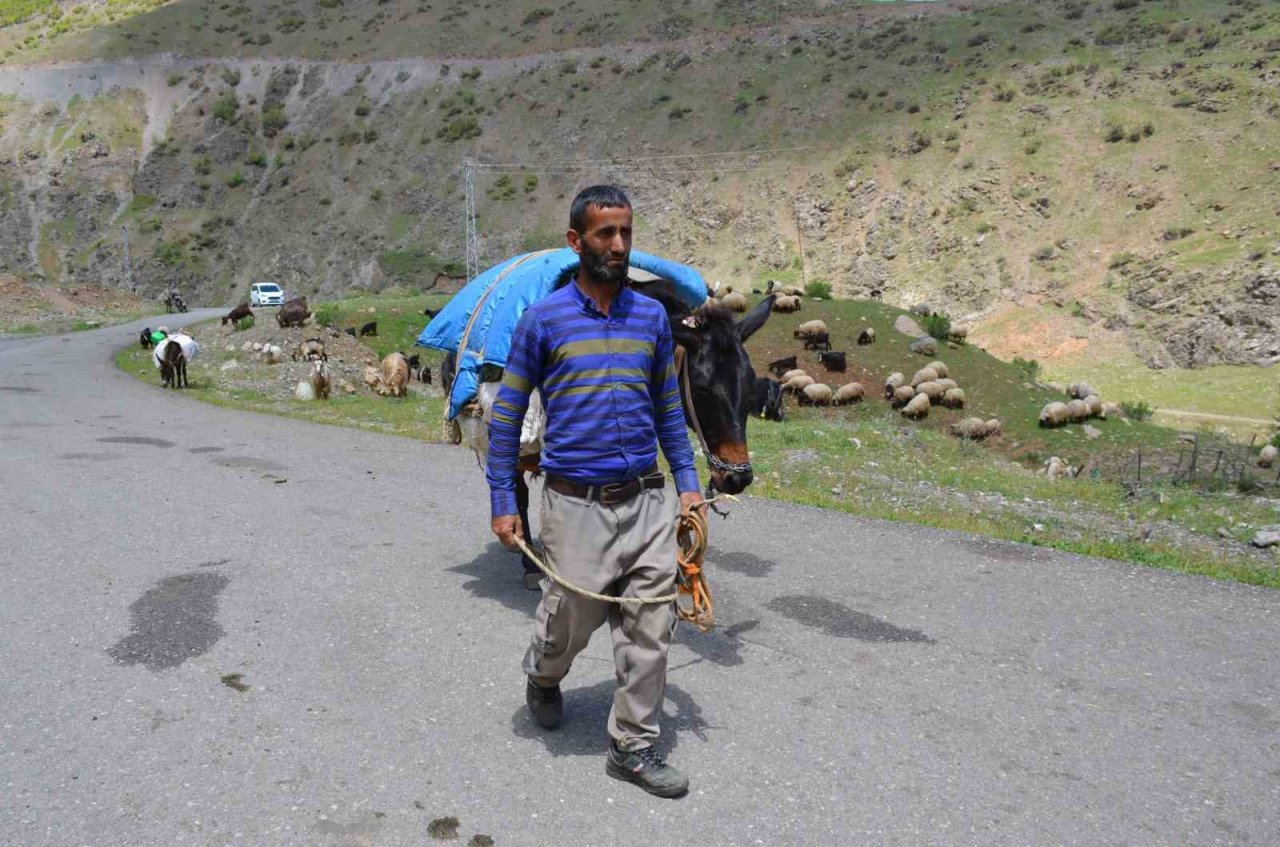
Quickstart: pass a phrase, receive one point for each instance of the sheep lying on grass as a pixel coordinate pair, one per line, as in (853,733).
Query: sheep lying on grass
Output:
(1267,456)
(850,392)
(975,429)
(815,395)
(1054,414)
(917,408)
(786,303)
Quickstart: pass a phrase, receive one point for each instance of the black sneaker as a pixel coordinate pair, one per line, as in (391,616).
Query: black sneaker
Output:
(545,704)
(646,769)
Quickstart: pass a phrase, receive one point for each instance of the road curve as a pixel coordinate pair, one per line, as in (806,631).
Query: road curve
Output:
(218,627)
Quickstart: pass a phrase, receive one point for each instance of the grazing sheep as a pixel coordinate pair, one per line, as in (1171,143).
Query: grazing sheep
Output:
(425,374)
(953,398)
(958,334)
(780,366)
(917,408)
(809,329)
(1267,456)
(1056,387)
(993,427)
(924,375)
(1056,468)
(371,328)
(931,390)
(1054,414)
(867,336)
(735,301)
(310,350)
(816,395)
(371,377)
(902,395)
(786,303)
(833,361)
(850,392)
(895,381)
(798,384)
(320,380)
(974,429)
(1077,411)
(293,313)
(235,315)
(947,384)
(1080,390)
(768,399)
(792,291)
(394,378)
(940,368)
(1112,410)
(1094,403)
(789,375)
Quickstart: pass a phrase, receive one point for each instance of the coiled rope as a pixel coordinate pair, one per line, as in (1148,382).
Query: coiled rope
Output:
(691,580)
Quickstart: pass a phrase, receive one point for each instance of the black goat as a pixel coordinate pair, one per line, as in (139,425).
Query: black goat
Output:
(431,313)
(351,331)
(768,399)
(833,361)
(371,328)
(780,366)
(818,341)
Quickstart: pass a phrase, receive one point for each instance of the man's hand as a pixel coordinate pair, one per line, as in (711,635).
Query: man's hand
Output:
(689,500)
(507,528)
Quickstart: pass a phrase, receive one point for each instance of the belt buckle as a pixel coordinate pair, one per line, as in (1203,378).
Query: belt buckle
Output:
(619,492)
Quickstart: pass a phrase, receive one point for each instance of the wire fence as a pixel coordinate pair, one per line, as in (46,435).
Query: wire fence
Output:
(1202,460)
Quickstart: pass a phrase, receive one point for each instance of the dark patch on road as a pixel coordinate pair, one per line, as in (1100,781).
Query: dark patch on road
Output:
(443,829)
(251,463)
(1002,551)
(198,450)
(213,563)
(747,564)
(369,826)
(719,646)
(480,840)
(136,439)
(840,621)
(93,457)
(172,622)
(110,417)
(233,681)
(20,389)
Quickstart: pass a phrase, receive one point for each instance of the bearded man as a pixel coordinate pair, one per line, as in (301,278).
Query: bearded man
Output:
(602,356)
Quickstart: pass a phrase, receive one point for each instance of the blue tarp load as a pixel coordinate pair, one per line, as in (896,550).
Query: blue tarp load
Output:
(479,321)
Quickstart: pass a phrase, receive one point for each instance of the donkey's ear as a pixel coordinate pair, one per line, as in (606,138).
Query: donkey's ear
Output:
(755,319)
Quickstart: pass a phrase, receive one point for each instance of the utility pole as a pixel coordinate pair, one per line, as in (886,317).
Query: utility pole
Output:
(804,282)
(128,266)
(472,239)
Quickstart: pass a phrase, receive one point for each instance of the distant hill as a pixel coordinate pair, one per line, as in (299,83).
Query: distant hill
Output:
(1068,178)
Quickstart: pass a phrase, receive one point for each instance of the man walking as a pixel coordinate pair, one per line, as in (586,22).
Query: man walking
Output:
(602,356)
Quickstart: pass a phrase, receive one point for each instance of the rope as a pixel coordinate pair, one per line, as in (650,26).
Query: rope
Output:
(691,536)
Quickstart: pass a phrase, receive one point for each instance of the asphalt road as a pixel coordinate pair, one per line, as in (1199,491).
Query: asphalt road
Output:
(224,628)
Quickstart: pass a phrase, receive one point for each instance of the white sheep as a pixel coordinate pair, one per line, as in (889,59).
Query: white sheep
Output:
(789,375)
(734,301)
(1080,390)
(975,429)
(1077,411)
(816,395)
(895,381)
(902,395)
(940,368)
(798,384)
(993,427)
(947,384)
(953,398)
(931,390)
(810,328)
(918,407)
(1057,468)
(1053,414)
(1094,404)
(924,375)
(850,392)
(785,303)
(1267,456)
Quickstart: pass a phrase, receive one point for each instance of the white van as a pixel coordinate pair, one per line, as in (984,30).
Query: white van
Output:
(265,294)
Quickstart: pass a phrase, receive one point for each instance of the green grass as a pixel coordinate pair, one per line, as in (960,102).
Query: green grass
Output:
(863,459)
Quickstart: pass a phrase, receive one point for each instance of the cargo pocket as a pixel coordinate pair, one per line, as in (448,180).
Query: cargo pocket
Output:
(543,641)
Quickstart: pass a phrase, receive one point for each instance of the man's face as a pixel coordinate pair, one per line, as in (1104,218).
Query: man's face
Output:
(604,244)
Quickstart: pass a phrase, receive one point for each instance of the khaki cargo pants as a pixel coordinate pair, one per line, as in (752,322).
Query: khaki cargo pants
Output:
(627,550)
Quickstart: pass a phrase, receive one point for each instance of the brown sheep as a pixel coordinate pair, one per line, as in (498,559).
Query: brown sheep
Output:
(917,408)
(798,384)
(320,380)
(786,304)
(850,392)
(924,375)
(237,314)
(940,368)
(791,374)
(394,376)
(735,301)
(931,390)
(953,398)
(809,329)
(815,395)
(902,395)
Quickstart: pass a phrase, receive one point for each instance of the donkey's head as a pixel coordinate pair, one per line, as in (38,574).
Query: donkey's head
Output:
(722,384)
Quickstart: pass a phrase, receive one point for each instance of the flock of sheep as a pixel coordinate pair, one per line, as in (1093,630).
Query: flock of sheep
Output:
(1085,404)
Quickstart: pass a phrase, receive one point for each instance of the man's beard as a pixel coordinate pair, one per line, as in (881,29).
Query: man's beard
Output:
(598,269)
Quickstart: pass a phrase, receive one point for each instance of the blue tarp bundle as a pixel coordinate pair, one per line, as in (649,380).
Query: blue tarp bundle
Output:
(483,315)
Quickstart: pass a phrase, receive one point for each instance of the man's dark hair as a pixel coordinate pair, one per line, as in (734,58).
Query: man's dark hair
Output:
(601,196)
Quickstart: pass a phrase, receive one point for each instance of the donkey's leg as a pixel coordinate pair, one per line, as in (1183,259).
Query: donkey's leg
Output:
(532,575)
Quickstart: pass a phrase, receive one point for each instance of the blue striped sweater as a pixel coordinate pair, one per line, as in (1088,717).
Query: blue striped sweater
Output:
(609,388)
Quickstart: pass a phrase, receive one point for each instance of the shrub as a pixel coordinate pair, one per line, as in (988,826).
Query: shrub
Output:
(231,76)
(1184,101)
(235,180)
(257,158)
(536,15)
(362,109)
(226,107)
(244,323)
(1119,260)
(1113,133)
(460,129)
(174,79)
(326,314)
(1138,410)
(938,325)
(141,202)
(530,184)
(168,253)
(1175,233)
(471,74)
(1029,368)
(273,120)
(1043,254)
(818,288)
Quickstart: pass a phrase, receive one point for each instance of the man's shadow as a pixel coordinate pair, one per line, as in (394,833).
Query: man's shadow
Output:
(586,714)
(497,575)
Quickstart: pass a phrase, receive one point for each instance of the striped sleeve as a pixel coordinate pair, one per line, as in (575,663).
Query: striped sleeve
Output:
(523,373)
(668,413)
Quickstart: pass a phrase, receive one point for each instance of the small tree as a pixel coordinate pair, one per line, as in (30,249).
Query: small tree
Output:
(818,288)
(938,325)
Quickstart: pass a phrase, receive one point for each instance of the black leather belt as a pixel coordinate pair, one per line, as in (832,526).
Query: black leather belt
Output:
(610,494)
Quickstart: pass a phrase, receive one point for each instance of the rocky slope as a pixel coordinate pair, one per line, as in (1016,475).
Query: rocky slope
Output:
(1059,175)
